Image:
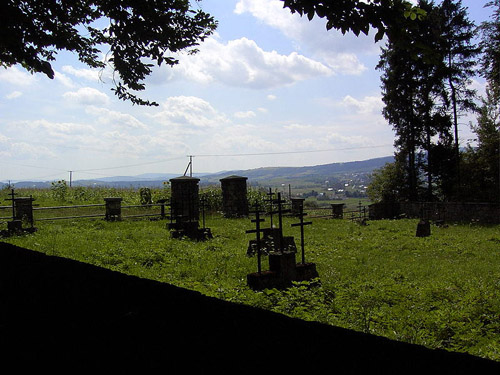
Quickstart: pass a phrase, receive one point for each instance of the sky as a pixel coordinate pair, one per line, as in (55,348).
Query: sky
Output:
(268,89)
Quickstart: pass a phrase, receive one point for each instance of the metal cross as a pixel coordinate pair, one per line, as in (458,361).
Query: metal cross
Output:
(203,201)
(280,213)
(270,200)
(301,225)
(12,194)
(258,231)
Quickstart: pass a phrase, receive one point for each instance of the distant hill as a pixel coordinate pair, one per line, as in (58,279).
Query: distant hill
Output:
(307,176)
(315,172)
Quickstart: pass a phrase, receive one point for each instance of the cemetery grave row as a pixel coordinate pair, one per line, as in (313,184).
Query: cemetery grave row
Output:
(185,208)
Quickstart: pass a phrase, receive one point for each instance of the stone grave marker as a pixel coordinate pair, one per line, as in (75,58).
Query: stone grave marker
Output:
(113,208)
(281,250)
(185,209)
(424,225)
(22,211)
(234,196)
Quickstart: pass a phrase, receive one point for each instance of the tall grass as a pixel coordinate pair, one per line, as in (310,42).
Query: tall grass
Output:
(440,291)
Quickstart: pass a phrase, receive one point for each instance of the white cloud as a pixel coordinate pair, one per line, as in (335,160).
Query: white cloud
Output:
(87,74)
(296,127)
(242,63)
(16,77)
(87,96)
(33,151)
(345,63)
(13,95)
(189,111)
(245,114)
(369,104)
(238,140)
(114,118)
(271,97)
(338,51)
(121,142)
(54,128)
(64,80)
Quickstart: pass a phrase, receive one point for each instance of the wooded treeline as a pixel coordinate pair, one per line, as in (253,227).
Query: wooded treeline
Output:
(427,74)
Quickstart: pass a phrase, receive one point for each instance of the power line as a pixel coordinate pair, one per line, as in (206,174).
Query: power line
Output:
(128,166)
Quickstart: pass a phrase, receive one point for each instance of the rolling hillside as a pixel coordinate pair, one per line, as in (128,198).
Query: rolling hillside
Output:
(308,176)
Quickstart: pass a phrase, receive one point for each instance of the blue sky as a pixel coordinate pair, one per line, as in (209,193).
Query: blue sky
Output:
(268,89)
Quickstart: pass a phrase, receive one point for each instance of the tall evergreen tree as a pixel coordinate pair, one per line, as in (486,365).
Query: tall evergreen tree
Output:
(459,55)
(482,162)
(490,44)
(426,86)
(412,82)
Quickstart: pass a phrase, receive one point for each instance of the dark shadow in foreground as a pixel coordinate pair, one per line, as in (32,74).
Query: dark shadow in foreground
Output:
(64,315)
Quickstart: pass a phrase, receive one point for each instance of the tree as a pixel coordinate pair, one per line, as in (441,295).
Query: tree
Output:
(483,161)
(412,82)
(426,79)
(384,16)
(459,62)
(490,44)
(138,35)
(389,183)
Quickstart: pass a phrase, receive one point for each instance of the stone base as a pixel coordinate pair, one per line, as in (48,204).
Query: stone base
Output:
(423,228)
(282,273)
(269,243)
(306,272)
(198,234)
(16,227)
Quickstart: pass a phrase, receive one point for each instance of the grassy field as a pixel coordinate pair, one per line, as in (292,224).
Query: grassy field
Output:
(441,291)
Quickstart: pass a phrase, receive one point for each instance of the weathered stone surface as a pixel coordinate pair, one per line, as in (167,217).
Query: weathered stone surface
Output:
(234,196)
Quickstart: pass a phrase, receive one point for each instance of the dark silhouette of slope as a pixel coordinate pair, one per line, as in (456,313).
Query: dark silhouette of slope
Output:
(59,314)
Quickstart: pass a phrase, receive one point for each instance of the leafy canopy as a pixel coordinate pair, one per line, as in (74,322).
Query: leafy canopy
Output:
(138,35)
(385,16)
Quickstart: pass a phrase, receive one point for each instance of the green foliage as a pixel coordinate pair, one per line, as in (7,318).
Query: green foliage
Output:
(257,197)
(490,44)
(59,190)
(359,16)
(137,33)
(387,183)
(440,291)
(146,197)
(426,86)
(482,163)
(212,197)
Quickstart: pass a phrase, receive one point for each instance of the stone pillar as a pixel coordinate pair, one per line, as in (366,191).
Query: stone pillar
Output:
(184,200)
(23,208)
(234,196)
(337,210)
(113,208)
(297,206)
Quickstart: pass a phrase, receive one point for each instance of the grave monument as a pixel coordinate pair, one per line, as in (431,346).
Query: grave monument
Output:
(234,196)
(281,250)
(185,209)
